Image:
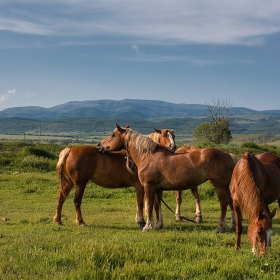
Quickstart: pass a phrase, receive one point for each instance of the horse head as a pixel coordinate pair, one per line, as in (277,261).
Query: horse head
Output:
(114,141)
(167,138)
(259,232)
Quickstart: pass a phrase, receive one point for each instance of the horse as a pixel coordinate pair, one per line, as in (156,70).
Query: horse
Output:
(80,164)
(194,190)
(160,169)
(255,184)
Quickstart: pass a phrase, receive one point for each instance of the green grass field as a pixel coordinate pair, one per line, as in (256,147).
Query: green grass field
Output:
(111,246)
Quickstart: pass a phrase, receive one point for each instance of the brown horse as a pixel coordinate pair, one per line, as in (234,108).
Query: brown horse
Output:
(198,212)
(78,165)
(255,184)
(159,169)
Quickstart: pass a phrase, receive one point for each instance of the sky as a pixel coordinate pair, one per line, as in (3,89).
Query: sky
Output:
(179,51)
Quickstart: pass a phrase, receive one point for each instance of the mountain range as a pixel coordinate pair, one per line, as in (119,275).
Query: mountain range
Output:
(127,108)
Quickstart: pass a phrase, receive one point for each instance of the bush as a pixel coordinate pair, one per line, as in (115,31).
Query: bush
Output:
(39,152)
(250,144)
(34,162)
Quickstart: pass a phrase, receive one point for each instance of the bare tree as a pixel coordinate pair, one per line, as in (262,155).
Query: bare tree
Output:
(219,110)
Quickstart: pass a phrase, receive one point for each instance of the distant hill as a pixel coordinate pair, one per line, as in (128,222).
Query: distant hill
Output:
(97,118)
(127,108)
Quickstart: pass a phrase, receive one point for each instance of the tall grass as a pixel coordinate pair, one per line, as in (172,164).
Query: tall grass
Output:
(112,246)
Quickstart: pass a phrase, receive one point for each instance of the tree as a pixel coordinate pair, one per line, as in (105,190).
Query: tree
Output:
(217,131)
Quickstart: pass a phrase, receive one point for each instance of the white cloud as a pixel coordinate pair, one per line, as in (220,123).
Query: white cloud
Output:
(6,95)
(30,95)
(137,51)
(158,21)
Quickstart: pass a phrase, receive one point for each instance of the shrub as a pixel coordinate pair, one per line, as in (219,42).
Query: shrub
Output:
(39,152)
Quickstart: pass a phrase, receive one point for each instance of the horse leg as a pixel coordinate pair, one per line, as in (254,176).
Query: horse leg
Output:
(178,206)
(233,220)
(63,192)
(223,199)
(157,206)
(79,192)
(150,198)
(239,228)
(198,211)
(139,205)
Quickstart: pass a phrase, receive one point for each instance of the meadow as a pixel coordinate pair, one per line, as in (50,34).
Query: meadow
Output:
(112,246)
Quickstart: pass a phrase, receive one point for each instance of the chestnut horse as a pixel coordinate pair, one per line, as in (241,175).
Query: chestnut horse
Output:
(160,169)
(78,165)
(194,190)
(198,212)
(255,184)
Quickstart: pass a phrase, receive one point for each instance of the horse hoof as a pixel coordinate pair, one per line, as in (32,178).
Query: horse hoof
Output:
(158,226)
(141,224)
(219,229)
(198,219)
(83,224)
(146,229)
(59,223)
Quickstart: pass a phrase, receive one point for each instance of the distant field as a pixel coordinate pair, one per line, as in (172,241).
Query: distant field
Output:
(47,138)
(237,139)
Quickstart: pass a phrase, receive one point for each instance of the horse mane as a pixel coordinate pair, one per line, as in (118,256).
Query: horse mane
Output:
(154,136)
(141,143)
(250,186)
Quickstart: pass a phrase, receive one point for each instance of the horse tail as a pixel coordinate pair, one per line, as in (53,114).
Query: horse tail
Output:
(61,162)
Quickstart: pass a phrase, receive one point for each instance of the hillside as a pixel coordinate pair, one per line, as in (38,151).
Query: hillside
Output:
(95,119)
(127,108)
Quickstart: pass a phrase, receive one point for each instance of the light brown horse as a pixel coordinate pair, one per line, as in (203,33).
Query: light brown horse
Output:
(255,184)
(78,165)
(159,169)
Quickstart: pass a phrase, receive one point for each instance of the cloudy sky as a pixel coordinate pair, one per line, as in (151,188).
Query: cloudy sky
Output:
(180,51)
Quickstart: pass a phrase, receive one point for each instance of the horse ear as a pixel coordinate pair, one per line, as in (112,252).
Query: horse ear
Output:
(120,129)
(157,130)
(272,214)
(127,126)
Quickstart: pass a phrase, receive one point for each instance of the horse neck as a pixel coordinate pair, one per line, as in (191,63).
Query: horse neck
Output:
(250,197)
(139,146)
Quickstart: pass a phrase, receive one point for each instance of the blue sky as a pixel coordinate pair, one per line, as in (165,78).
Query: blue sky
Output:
(192,52)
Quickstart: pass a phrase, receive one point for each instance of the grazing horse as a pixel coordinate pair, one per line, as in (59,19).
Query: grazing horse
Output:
(255,184)
(160,169)
(198,212)
(78,165)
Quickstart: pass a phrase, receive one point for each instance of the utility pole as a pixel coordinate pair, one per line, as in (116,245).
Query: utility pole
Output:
(40,133)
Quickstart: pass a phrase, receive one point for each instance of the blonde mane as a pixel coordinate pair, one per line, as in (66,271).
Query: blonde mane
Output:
(154,136)
(142,144)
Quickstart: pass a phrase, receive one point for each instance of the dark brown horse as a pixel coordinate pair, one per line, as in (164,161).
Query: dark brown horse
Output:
(255,184)
(159,169)
(78,165)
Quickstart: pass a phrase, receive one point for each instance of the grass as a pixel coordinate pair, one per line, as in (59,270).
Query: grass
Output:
(112,246)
